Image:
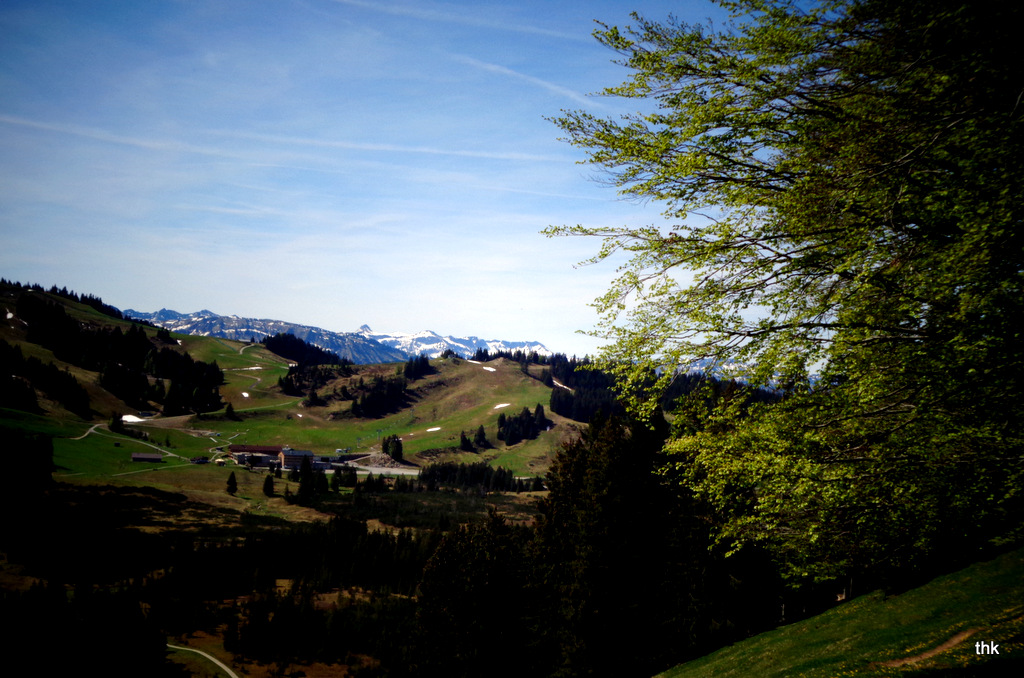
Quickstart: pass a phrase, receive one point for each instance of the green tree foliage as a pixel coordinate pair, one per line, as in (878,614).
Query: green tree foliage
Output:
(232,485)
(392,446)
(524,426)
(841,187)
(302,379)
(417,367)
(480,437)
(379,397)
(268,485)
(479,476)
(313,399)
(307,481)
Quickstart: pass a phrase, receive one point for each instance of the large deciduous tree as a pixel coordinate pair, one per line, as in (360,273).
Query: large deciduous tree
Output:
(842,193)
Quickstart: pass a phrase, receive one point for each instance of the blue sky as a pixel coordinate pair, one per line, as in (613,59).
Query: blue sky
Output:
(326,162)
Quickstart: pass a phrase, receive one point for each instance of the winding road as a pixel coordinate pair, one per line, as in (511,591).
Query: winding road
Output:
(213,659)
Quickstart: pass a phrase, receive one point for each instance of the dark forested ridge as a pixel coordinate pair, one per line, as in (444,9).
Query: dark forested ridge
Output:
(139,369)
(302,353)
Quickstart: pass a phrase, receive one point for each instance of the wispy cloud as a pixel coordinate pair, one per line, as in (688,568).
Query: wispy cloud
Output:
(184,147)
(502,70)
(390,148)
(451,17)
(120,139)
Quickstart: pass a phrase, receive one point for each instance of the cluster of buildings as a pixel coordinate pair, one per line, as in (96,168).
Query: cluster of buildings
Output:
(283,457)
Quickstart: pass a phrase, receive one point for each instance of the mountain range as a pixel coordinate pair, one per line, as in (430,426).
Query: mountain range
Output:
(361,347)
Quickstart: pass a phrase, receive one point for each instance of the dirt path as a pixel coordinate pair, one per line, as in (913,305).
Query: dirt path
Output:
(93,428)
(107,434)
(213,659)
(958,638)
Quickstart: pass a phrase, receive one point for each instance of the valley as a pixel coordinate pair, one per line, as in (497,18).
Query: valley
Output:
(458,506)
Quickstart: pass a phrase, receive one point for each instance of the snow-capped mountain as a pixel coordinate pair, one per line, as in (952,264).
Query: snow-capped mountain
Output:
(355,347)
(361,347)
(433,344)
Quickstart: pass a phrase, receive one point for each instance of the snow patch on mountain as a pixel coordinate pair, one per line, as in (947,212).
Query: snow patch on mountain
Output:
(434,344)
(363,346)
(349,345)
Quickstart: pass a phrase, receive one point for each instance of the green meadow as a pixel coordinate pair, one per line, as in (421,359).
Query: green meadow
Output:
(857,638)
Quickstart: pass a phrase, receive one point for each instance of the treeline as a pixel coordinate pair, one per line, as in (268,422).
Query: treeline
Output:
(524,426)
(581,392)
(314,367)
(87,299)
(483,355)
(125,359)
(371,399)
(478,476)
(417,367)
(378,397)
(304,380)
(292,348)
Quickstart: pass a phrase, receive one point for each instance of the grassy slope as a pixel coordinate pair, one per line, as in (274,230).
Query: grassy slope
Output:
(460,396)
(852,638)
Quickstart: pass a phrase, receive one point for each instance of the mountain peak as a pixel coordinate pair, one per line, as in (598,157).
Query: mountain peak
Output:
(362,346)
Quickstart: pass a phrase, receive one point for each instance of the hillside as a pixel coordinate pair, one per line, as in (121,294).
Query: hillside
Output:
(458,396)
(455,396)
(607,519)
(929,631)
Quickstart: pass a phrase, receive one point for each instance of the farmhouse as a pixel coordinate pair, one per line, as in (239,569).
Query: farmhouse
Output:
(153,457)
(292,459)
(256,455)
(254,449)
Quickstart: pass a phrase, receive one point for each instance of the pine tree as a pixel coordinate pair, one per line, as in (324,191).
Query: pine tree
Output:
(307,482)
(232,484)
(540,421)
(268,485)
